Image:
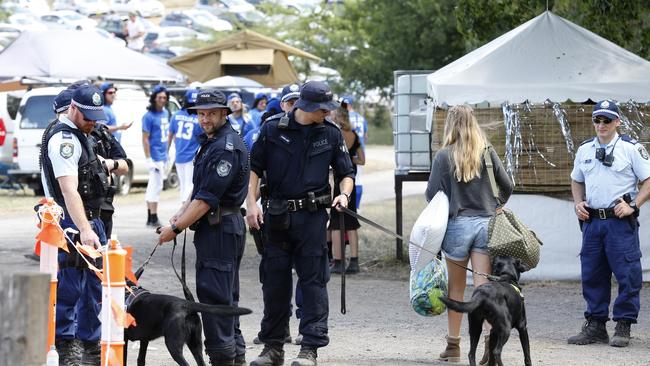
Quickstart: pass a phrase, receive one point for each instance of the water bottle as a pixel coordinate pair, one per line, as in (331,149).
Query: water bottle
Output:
(52,357)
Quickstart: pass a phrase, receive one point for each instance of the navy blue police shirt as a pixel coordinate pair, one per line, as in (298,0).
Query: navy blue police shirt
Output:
(297,158)
(221,170)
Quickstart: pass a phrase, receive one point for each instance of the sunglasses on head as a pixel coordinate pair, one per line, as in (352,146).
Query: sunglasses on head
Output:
(601,119)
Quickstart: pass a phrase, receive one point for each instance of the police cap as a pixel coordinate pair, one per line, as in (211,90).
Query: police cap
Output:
(316,95)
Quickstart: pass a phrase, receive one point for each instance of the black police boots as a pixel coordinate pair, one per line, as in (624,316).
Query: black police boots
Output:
(353,267)
(337,266)
(69,351)
(270,356)
(240,360)
(306,357)
(621,336)
(92,354)
(593,331)
(218,360)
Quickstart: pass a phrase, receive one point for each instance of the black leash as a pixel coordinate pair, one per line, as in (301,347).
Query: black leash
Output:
(398,236)
(138,273)
(342,237)
(186,291)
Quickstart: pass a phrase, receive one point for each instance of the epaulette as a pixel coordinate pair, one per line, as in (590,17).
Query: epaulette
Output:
(275,116)
(230,145)
(332,123)
(587,141)
(629,139)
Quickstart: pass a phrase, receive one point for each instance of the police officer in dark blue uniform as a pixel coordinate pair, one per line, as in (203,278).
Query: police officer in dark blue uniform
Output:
(74,177)
(220,182)
(605,178)
(294,153)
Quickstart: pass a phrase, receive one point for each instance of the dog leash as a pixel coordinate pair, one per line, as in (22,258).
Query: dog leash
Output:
(398,236)
(140,270)
(186,291)
(342,238)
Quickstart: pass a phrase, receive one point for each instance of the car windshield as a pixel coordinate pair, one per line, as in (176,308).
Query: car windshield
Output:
(37,112)
(72,16)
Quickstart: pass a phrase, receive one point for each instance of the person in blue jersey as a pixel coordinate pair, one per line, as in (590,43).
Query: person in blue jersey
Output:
(259,106)
(155,124)
(272,109)
(110,92)
(238,118)
(360,126)
(184,131)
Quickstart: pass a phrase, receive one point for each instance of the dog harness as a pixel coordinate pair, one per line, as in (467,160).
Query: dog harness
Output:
(136,292)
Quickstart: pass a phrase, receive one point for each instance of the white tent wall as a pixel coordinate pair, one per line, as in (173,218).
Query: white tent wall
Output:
(551,58)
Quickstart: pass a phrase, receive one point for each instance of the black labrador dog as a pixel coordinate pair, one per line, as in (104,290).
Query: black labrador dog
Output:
(176,319)
(501,303)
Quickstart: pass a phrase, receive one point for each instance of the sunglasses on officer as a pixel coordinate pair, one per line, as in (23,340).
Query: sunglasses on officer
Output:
(601,119)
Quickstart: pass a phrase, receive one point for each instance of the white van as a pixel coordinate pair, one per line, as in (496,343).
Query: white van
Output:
(35,113)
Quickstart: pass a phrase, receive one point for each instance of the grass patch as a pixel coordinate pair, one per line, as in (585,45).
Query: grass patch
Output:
(380,135)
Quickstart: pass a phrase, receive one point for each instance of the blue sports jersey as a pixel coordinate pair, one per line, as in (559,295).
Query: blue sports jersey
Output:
(156,124)
(359,125)
(186,129)
(112,121)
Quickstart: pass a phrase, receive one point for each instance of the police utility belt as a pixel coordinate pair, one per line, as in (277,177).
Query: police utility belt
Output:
(601,213)
(278,209)
(213,217)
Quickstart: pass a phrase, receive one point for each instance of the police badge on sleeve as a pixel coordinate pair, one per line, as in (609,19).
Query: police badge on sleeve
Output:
(223,168)
(66,150)
(643,152)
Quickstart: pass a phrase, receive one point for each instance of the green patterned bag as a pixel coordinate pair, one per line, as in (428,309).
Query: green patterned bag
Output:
(427,286)
(507,235)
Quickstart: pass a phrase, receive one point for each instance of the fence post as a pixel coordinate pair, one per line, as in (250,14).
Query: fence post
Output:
(24,301)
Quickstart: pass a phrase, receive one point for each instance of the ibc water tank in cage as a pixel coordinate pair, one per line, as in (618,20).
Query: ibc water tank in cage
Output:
(411,138)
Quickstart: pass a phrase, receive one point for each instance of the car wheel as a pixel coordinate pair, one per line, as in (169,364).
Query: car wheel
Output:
(124,183)
(172,180)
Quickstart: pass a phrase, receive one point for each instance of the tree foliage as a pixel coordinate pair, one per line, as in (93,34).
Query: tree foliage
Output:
(366,40)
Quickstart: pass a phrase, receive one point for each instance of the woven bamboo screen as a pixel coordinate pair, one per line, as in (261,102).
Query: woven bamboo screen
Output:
(534,174)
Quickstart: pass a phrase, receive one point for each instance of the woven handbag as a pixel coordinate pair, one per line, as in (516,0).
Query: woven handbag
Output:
(507,235)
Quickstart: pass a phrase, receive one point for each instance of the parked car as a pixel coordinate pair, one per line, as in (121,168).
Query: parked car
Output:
(26,21)
(144,8)
(67,19)
(199,20)
(8,108)
(35,113)
(166,36)
(36,7)
(85,7)
(166,52)
(110,36)
(232,10)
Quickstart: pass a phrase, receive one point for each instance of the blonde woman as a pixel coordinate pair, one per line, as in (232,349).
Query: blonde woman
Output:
(342,118)
(459,170)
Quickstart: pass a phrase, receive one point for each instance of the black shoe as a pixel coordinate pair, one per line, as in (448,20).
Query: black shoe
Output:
(69,351)
(593,331)
(306,357)
(337,266)
(220,360)
(353,267)
(621,336)
(270,356)
(92,354)
(240,360)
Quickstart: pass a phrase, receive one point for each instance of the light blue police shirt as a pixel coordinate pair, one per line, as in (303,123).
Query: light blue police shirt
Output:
(604,186)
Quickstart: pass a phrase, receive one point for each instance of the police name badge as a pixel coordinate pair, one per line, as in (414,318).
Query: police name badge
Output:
(66,150)
(643,152)
(223,168)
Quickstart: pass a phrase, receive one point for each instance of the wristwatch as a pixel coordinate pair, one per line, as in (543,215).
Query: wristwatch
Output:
(347,195)
(176,230)
(636,209)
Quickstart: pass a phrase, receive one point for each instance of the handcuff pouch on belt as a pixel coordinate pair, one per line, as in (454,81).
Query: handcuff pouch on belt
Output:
(213,217)
(278,214)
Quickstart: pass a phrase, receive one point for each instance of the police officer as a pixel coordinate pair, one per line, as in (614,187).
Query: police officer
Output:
(220,183)
(75,178)
(294,153)
(605,175)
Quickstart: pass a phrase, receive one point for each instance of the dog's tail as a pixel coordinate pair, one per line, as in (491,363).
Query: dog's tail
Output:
(461,307)
(225,310)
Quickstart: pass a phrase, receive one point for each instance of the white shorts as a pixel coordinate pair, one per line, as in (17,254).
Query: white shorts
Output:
(185,172)
(155,183)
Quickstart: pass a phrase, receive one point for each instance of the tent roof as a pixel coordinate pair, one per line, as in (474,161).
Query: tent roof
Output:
(243,49)
(547,57)
(73,54)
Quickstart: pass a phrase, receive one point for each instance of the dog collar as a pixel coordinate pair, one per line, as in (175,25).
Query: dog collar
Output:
(517,289)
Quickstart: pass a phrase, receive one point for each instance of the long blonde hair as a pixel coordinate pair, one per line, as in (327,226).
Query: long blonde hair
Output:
(466,141)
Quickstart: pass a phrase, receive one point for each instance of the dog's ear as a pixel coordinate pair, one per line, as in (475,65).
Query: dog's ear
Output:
(520,266)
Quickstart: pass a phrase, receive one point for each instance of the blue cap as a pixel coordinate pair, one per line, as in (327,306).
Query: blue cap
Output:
(316,95)
(273,106)
(347,99)
(261,96)
(90,102)
(62,101)
(210,99)
(158,88)
(105,86)
(606,108)
(233,96)
(291,91)
(190,95)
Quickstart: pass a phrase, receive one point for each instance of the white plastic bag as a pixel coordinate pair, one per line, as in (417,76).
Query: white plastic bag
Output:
(428,231)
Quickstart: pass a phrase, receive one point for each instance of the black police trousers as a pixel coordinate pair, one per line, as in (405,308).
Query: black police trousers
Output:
(217,267)
(304,245)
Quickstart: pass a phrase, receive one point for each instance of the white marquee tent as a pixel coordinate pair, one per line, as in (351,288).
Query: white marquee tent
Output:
(548,57)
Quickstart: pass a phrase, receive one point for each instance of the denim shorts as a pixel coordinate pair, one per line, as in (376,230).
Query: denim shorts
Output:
(465,234)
